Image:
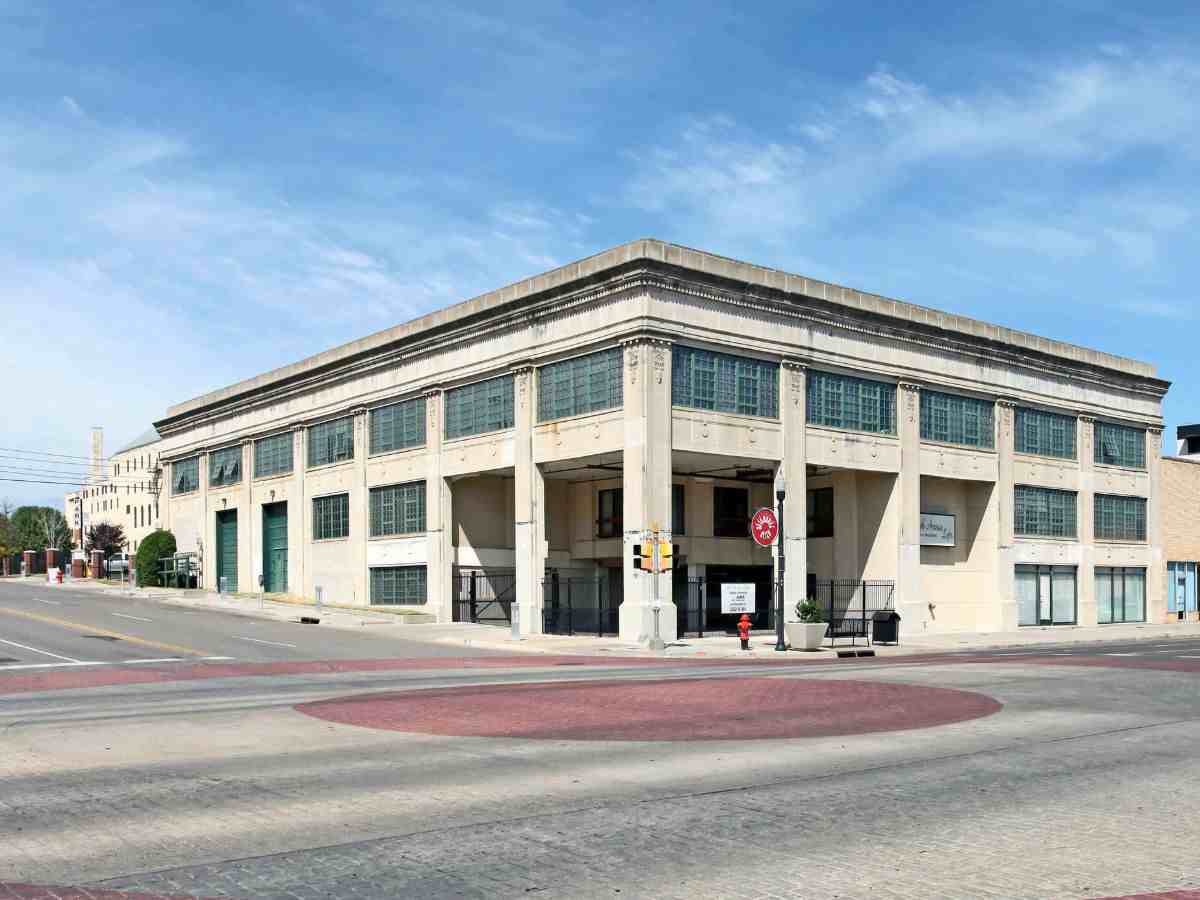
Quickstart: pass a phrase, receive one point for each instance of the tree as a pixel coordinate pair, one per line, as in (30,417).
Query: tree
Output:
(40,528)
(106,538)
(8,532)
(153,547)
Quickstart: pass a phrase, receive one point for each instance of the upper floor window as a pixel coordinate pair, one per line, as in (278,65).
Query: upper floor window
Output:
(480,407)
(1120,518)
(331,517)
(702,379)
(611,518)
(1120,445)
(957,420)
(581,385)
(678,519)
(398,509)
(273,455)
(1043,433)
(731,512)
(855,404)
(331,442)
(225,466)
(1044,512)
(820,513)
(398,426)
(185,475)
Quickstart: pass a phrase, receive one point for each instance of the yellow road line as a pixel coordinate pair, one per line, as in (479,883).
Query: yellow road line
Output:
(89,629)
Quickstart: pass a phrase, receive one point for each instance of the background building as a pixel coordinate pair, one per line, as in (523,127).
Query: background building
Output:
(1181,523)
(525,440)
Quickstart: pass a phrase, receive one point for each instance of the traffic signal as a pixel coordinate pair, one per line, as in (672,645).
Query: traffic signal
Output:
(643,556)
(665,556)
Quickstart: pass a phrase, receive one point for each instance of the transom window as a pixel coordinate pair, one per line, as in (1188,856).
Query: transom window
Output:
(273,455)
(1044,512)
(398,509)
(731,512)
(581,385)
(855,404)
(1120,518)
(611,518)
(957,420)
(702,379)
(398,585)
(331,517)
(331,442)
(225,466)
(398,426)
(185,475)
(1120,445)
(1042,433)
(480,407)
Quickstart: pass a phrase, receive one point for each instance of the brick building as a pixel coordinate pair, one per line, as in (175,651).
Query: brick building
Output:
(1181,524)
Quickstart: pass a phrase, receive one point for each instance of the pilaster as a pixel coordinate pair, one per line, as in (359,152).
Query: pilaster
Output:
(646,474)
(358,509)
(1085,578)
(792,477)
(439,552)
(297,519)
(1156,582)
(912,607)
(1004,500)
(528,506)
(207,532)
(247,581)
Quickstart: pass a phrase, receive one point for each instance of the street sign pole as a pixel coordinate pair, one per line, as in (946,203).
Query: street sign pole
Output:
(780,643)
(656,642)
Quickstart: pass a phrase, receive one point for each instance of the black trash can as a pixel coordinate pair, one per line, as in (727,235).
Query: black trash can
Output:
(885,627)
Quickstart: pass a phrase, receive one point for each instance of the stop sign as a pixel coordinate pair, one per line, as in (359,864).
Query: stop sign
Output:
(764,527)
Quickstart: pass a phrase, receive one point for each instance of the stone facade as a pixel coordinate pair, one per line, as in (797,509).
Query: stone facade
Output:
(122,490)
(528,497)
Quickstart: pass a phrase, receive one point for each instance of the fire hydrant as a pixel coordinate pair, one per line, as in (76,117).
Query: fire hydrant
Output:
(743,627)
(58,576)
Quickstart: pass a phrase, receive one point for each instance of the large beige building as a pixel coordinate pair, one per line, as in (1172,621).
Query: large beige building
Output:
(515,447)
(122,489)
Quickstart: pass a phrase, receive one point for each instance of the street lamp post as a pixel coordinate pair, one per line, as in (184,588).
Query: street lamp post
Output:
(780,644)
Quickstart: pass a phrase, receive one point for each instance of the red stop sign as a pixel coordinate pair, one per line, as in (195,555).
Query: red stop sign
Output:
(764,527)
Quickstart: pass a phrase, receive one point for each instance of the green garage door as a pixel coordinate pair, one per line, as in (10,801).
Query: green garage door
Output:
(227,539)
(275,548)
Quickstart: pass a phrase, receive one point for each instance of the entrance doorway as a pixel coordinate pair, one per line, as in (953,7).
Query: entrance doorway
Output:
(227,542)
(275,548)
(698,600)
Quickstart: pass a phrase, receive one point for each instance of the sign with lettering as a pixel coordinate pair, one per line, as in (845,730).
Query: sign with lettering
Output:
(937,530)
(737,599)
(764,527)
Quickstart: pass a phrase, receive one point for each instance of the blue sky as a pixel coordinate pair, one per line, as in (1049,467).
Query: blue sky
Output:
(194,193)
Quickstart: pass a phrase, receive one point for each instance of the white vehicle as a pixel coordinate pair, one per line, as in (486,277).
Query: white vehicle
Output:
(119,564)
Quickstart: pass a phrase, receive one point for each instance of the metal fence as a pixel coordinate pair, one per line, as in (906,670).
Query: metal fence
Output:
(581,605)
(698,607)
(849,603)
(483,595)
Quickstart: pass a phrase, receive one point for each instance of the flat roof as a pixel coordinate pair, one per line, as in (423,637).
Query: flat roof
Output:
(686,258)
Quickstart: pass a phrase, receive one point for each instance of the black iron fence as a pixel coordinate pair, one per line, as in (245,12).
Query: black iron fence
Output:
(848,604)
(581,605)
(483,595)
(698,606)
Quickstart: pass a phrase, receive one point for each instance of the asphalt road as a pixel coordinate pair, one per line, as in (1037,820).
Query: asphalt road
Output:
(1081,785)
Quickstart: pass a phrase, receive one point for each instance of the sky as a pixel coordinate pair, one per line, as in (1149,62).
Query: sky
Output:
(192,194)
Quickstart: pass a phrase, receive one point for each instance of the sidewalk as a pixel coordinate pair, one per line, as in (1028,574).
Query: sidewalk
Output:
(416,626)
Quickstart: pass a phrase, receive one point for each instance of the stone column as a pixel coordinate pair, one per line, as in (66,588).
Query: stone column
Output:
(297,517)
(529,499)
(1156,582)
(207,532)
(1005,497)
(792,476)
(646,484)
(247,579)
(1085,578)
(358,509)
(910,601)
(439,520)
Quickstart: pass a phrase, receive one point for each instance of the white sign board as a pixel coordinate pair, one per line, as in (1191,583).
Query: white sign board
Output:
(737,598)
(937,530)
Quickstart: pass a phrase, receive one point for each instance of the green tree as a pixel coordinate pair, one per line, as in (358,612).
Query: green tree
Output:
(153,547)
(106,538)
(8,533)
(41,528)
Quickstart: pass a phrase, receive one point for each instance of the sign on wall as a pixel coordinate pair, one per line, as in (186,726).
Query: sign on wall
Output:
(737,598)
(937,530)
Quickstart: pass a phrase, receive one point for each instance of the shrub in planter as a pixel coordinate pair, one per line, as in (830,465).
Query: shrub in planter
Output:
(154,546)
(809,632)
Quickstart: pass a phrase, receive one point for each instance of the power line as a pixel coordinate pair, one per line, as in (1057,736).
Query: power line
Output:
(50,453)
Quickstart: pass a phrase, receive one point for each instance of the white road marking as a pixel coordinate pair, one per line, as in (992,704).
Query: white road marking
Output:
(120,662)
(36,650)
(1122,654)
(135,618)
(258,641)
(216,658)
(1181,656)
(51,602)
(57,665)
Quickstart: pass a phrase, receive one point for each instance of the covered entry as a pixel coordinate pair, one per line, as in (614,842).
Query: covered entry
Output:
(227,555)
(275,548)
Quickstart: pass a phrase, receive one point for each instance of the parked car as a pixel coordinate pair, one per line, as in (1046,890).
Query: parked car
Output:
(119,564)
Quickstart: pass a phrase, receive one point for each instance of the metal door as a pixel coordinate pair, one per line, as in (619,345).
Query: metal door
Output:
(227,538)
(275,548)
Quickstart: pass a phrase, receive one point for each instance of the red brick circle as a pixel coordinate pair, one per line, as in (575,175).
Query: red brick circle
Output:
(692,709)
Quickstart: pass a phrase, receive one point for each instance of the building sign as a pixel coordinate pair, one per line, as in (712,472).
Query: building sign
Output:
(937,530)
(737,598)
(764,527)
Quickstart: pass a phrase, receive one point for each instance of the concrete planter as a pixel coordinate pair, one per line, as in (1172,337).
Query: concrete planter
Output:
(805,635)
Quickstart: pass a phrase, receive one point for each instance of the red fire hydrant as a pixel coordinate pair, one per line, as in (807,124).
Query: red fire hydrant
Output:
(743,627)
(58,576)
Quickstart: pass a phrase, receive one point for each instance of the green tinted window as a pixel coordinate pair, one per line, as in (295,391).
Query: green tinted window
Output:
(273,455)
(957,420)
(702,379)
(225,466)
(480,407)
(1044,512)
(1120,445)
(331,517)
(1120,518)
(856,404)
(581,385)
(331,442)
(185,475)
(398,426)
(398,509)
(398,585)
(1043,433)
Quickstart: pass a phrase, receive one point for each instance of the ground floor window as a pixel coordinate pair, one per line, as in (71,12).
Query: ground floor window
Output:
(1120,595)
(1181,587)
(1046,595)
(398,585)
